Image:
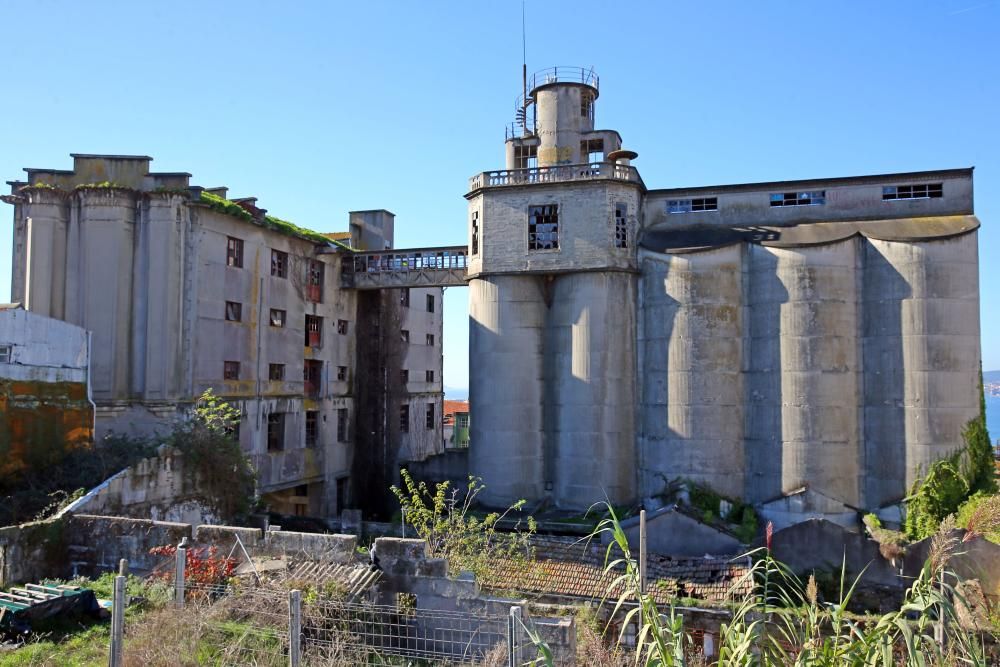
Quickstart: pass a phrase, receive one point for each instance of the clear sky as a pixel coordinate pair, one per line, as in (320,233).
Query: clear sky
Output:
(321,108)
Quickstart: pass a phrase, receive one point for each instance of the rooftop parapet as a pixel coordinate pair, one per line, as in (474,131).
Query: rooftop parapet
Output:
(556,174)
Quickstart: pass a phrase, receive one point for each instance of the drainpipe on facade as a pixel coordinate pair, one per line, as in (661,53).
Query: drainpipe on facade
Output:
(90,395)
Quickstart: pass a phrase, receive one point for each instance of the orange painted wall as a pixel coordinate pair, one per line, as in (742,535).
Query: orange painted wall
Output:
(40,422)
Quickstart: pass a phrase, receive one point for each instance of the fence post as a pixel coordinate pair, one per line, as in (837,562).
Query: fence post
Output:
(514,624)
(294,628)
(118,622)
(179,576)
(642,552)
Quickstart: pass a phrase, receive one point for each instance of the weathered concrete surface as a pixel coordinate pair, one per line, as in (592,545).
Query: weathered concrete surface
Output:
(672,532)
(45,408)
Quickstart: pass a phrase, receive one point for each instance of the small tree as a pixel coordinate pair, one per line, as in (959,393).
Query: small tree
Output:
(213,458)
(452,530)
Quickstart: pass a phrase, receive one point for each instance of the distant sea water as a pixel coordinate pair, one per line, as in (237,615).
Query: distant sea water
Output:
(993,417)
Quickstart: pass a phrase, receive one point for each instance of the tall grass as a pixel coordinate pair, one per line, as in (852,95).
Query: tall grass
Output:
(784,621)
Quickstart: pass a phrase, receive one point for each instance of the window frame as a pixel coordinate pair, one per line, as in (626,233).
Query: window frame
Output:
(404,418)
(343,417)
(341,373)
(911,191)
(342,327)
(430,340)
(6,354)
(276,432)
(315,275)
(234,252)
(279,263)
(621,225)
(475,233)
(230,370)
(313,331)
(429,375)
(430,302)
(234,311)
(282,318)
(276,372)
(545,215)
(430,417)
(311,429)
(798,198)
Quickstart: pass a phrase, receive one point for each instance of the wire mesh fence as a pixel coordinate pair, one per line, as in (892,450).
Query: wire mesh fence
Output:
(251,625)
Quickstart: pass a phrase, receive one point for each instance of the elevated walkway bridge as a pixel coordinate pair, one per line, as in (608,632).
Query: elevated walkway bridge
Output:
(444,266)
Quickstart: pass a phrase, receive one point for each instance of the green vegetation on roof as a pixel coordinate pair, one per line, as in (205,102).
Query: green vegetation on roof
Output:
(228,207)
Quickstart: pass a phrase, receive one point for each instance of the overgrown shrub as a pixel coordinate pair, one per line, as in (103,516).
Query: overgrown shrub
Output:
(452,530)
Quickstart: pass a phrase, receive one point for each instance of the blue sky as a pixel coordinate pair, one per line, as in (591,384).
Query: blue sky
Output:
(321,108)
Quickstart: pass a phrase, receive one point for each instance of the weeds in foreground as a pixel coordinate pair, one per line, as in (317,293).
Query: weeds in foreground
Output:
(784,621)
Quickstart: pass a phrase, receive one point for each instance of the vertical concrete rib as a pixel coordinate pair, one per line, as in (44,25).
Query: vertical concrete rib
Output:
(922,353)
(506,328)
(693,387)
(590,343)
(819,364)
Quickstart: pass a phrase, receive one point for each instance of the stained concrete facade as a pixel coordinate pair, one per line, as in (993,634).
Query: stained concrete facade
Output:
(185,291)
(759,338)
(45,406)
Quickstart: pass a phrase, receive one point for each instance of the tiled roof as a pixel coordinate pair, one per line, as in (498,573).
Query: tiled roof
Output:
(569,567)
(451,407)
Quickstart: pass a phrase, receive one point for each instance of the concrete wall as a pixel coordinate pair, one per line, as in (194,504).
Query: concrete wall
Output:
(669,531)
(156,488)
(45,408)
(845,367)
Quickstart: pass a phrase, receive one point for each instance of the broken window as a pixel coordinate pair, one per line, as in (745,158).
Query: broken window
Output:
(314,331)
(430,303)
(234,252)
(312,376)
(279,264)
(404,419)
(234,311)
(312,428)
(6,354)
(475,232)
(404,297)
(277,318)
(276,372)
(314,284)
(543,227)
(810,198)
(592,151)
(429,416)
(430,339)
(404,335)
(342,327)
(429,376)
(525,157)
(231,370)
(404,376)
(587,104)
(342,425)
(341,373)
(919,191)
(693,205)
(621,225)
(276,431)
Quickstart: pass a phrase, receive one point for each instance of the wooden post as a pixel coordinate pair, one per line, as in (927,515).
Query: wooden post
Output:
(294,628)
(179,576)
(118,622)
(514,623)
(642,552)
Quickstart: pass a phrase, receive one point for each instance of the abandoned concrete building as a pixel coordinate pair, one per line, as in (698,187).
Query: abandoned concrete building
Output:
(809,346)
(184,290)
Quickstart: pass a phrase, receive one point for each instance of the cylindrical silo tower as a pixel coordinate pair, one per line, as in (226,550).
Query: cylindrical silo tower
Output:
(552,307)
